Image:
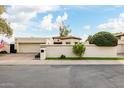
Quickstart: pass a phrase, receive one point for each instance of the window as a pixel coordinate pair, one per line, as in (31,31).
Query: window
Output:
(68,42)
(57,42)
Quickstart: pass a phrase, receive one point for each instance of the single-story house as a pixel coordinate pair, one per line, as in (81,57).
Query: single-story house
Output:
(58,46)
(32,45)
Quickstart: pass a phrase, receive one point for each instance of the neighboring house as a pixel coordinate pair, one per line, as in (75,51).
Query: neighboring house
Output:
(32,45)
(120,47)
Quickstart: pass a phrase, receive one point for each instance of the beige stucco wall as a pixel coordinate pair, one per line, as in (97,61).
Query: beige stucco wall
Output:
(91,51)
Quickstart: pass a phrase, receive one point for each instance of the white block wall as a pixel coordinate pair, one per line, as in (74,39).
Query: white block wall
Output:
(95,51)
(91,51)
(57,51)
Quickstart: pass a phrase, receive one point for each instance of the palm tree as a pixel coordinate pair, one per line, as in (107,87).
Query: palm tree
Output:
(64,30)
(5,28)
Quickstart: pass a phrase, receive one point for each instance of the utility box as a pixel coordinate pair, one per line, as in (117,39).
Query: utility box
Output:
(42,53)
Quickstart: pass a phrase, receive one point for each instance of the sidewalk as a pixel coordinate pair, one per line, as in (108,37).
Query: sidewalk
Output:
(62,62)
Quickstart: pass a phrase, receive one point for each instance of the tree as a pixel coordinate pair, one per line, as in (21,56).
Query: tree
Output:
(89,38)
(5,28)
(104,39)
(64,30)
(79,49)
(2,9)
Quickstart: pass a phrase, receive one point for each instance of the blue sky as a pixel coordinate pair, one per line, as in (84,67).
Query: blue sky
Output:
(42,21)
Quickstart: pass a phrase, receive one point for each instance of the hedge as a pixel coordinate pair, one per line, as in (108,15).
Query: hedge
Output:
(104,39)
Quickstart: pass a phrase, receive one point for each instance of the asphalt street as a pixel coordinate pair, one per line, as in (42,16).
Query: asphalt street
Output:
(76,76)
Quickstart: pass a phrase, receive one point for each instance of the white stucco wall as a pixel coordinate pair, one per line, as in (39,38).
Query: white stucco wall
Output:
(95,51)
(91,51)
(58,50)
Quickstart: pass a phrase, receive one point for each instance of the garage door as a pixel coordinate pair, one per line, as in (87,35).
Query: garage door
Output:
(29,48)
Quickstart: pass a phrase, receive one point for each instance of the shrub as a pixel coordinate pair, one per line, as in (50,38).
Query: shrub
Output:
(104,39)
(62,56)
(3,52)
(79,49)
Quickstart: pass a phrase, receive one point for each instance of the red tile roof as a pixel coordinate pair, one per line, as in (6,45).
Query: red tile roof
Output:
(68,37)
(119,34)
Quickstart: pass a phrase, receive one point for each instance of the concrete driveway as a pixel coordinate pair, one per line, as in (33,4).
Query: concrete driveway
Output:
(10,57)
(89,76)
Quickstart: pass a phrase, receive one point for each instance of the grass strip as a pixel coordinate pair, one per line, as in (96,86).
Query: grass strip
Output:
(87,58)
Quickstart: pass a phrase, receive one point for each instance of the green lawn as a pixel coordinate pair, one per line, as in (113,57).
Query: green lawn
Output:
(87,58)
